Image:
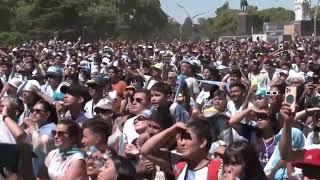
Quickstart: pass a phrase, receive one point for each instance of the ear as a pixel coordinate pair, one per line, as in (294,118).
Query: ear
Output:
(204,143)
(81,100)
(169,97)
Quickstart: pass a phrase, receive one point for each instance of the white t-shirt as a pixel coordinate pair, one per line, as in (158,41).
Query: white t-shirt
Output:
(5,134)
(193,85)
(57,167)
(129,131)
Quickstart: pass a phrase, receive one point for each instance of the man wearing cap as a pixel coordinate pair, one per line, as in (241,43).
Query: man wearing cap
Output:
(187,69)
(95,86)
(27,92)
(155,77)
(53,85)
(10,89)
(74,101)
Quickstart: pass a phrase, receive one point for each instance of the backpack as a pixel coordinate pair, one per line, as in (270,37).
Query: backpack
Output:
(213,169)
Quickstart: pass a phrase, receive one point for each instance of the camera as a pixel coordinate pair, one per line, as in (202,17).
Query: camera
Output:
(291,96)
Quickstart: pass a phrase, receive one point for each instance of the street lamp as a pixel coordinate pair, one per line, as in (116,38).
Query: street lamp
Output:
(191,17)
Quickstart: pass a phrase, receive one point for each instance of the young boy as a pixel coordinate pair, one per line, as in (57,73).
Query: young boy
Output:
(161,96)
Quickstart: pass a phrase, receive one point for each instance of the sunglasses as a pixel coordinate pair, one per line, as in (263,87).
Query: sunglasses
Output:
(138,100)
(58,133)
(260,117)
(257,97)
(216,155)
(38,111)
(141,118)
(102,111)
(273,93)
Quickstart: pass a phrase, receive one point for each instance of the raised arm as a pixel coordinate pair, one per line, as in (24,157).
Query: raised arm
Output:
(235,119)
(13,127)
(151,148)
(285,146)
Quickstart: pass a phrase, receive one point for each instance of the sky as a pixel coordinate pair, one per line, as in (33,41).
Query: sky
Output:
(194,7)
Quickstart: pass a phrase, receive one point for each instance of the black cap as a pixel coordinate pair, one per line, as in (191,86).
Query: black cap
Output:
(76,90)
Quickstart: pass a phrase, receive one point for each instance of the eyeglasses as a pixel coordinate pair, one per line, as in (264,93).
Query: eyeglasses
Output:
(273,93)
(257,97)
(141,118)
(58,133)
(260,116)
(38,111)
(138,100)
(216,155)
(102,111)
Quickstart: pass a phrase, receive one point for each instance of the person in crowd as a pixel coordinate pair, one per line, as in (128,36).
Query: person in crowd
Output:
(27,91)
(10,131)
(115,79)
(95,86)
(161,96)
(193,144)
(54,83)
(188,70)
(140,104)
(11,88)
(117,168)
(240,161)
(67,161)
(237,95)
(38,126)
(73,104)
(94,139)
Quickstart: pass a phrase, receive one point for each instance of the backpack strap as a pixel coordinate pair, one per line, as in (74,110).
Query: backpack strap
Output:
(178,168)
(213,169)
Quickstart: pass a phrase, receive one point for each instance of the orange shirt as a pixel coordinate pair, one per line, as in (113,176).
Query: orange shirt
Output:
(119,87)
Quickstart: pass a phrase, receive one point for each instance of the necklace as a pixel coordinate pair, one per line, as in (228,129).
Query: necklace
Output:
(265,157)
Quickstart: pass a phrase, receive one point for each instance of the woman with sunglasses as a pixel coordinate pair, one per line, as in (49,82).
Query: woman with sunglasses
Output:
(39,125)
(95,136)
(67,161)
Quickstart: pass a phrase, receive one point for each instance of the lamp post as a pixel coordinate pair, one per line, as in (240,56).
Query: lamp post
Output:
(191,17)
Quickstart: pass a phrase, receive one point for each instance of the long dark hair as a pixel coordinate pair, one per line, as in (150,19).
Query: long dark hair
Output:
(53,117)
(124,167)
(241,152)
(74,130)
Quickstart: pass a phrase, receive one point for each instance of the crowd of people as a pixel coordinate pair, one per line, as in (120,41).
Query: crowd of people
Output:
(118,110)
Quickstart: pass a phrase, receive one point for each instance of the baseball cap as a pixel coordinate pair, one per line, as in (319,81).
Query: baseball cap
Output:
(311,158)
(76,90)
(54,71)
(157,66)
(98,80)
(105,104)
(29,85)
(15,82)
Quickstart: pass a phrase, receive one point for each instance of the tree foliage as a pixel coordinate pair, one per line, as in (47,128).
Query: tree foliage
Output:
(225,22)
(40,19)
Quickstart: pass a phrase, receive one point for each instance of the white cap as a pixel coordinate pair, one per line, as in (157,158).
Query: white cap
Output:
(105,104)
(30,85)
(15,82)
